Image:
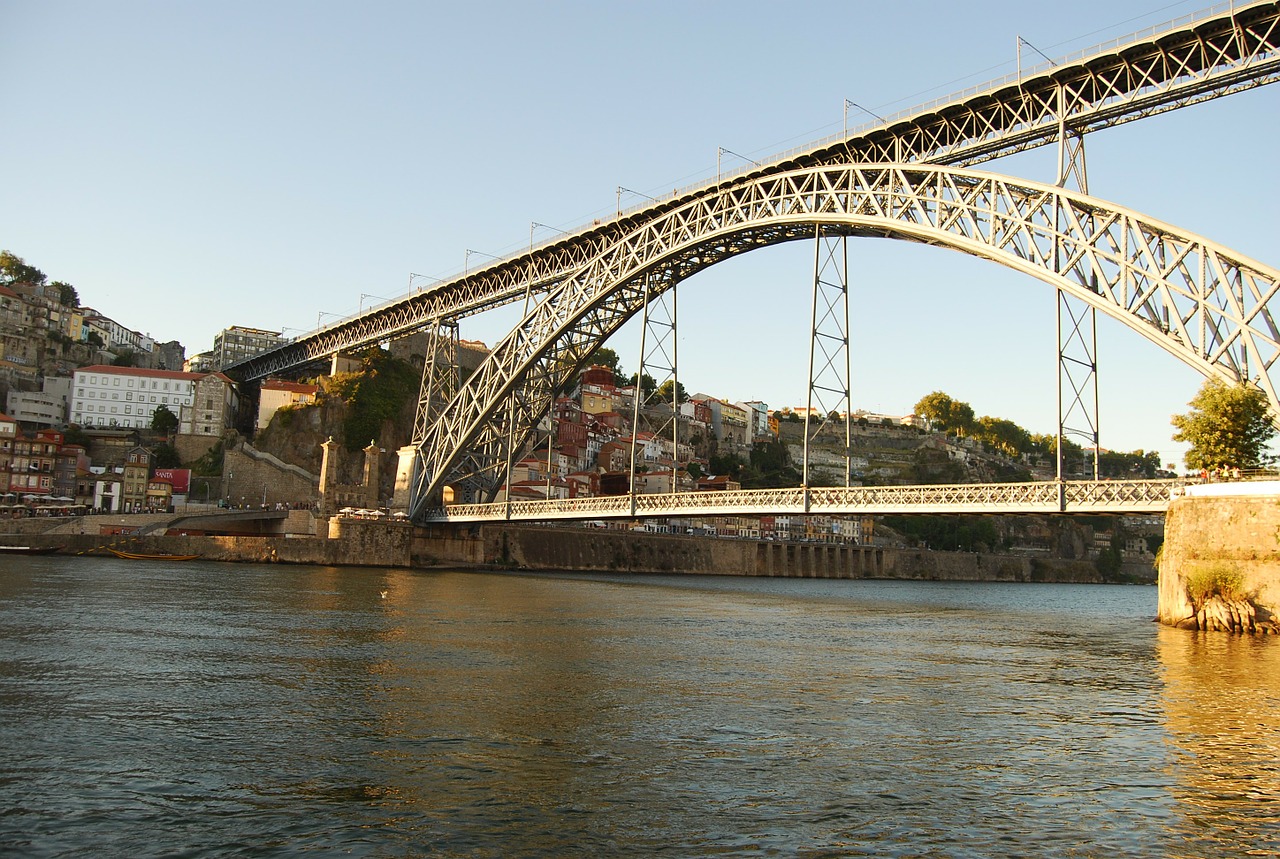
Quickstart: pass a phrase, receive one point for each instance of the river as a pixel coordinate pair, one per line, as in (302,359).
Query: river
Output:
(206,710)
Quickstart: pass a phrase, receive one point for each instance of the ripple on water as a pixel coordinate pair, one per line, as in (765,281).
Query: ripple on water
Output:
(211,711)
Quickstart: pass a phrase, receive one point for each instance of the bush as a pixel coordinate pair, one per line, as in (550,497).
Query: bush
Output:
(1215,580)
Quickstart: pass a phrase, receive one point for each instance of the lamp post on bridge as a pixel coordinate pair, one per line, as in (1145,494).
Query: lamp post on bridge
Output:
(722,151)
(415,276)
(533,224)
(621,190)
(466,264)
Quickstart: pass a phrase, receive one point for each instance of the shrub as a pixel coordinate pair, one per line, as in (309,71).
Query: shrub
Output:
(1215,580)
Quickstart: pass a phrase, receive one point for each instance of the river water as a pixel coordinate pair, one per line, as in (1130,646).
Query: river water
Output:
(202,710)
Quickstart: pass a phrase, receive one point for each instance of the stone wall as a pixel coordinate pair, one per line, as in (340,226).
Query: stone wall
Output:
(1223,527)
(588,550)
(248,474)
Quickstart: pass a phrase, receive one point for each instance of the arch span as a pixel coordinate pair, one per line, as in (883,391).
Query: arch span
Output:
(1195,298)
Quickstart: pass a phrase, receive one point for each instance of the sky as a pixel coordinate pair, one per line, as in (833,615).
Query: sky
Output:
(192,166)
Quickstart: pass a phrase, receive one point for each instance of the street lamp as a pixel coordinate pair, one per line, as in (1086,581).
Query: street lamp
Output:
(722,151)
(622,190)
(414,276)
(466,264)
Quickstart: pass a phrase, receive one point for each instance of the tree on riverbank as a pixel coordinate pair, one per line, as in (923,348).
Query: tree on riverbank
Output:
(1228,427)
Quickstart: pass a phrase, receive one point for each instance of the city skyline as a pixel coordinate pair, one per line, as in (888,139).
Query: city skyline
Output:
(285,166)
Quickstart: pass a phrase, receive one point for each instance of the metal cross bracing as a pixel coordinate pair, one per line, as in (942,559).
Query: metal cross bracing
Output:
(1212,308)
(658,352)
(1075,497)
(1229,49)
(829,402)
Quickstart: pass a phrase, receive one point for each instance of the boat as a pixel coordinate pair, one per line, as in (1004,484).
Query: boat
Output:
(28,550)
(147,556)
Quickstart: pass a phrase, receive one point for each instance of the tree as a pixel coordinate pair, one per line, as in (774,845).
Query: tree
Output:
(67,294)
(14,270)
(166,456)
(663,394)
(163,420)
(1228,427)
(1003,435)
(945,413)
(606,357)
(647,386)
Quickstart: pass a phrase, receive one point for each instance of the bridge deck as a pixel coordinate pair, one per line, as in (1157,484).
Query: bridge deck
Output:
(1078,497)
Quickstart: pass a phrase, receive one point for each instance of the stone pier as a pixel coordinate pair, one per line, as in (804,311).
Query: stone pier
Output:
(1220,563)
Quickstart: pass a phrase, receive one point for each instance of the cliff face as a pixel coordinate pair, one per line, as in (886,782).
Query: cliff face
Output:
(1220,565)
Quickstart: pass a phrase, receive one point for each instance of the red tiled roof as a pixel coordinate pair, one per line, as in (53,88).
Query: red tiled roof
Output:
(292,387)
(107,369)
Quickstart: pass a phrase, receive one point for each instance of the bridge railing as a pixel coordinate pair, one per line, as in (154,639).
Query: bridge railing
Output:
(1085,496)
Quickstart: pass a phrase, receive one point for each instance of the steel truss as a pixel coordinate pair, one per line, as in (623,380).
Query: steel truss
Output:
(1148,74)
(1085,497)
(658,353)
(1078,340)
(830,360)
(1198,300)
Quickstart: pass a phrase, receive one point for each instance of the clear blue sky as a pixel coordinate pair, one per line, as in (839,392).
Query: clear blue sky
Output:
(190,166)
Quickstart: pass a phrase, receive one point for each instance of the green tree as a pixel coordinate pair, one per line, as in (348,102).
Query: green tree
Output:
(166,456)
(663,394)
(163,420)
(67,294)
(647,385)
(606,357)
(946,414)
(13,269)
(1228,427)
(1003,435)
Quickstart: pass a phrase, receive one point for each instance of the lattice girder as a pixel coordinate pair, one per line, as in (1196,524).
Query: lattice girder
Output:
(1081,497)
(1146,75)
(1120,263)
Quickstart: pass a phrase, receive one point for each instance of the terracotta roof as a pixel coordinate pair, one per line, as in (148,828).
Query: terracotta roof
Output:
(107,369)
(292,387)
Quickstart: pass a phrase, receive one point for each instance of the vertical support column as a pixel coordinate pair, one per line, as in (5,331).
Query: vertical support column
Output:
(658,355)
(440,381)
(829,356)
(1077,321)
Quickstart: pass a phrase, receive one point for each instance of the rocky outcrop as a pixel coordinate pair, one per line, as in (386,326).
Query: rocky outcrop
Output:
(1221,615)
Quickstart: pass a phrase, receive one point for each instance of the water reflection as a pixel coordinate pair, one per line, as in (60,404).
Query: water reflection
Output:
(213,710)
(1222,710)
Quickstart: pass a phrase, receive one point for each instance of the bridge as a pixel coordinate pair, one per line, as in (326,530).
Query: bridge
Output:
(910,177)
(1045,497)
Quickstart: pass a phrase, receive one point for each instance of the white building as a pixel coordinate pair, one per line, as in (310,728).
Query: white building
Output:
(47,408)
(274,394)
(105,396)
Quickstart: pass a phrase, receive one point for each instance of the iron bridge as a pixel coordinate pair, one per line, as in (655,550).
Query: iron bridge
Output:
(1043,497)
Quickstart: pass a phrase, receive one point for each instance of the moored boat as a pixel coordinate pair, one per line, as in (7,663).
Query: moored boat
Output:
(149,556)
(28,550)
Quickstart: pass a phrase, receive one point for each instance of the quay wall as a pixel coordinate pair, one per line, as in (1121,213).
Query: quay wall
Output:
(353,542)
(585,550)
(1216,529)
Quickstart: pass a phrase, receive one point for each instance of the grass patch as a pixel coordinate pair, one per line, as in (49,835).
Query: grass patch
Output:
(1215,580)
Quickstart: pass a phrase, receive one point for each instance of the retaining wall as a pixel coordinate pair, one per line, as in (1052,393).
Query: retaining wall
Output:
(1236,525)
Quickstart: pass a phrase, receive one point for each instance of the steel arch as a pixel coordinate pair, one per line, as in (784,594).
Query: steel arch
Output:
(1207,55)
(1195,298)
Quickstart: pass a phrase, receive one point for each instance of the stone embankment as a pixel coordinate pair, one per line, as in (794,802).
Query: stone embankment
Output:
(1220,564)
(583,550)
(374,543)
